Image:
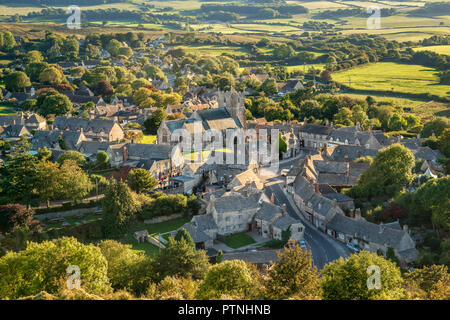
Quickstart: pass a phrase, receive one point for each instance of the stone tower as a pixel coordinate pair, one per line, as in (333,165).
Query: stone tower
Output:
(233,101)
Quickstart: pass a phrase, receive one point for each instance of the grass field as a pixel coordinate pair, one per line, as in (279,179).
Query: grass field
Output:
(437,49)
(213,50)
(238,240)
(393,77)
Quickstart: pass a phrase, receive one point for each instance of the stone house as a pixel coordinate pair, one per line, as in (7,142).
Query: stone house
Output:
(313,136)
(93,129)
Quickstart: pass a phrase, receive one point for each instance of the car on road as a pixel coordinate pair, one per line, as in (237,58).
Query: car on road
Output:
(302,244)
(284,172)
(352,247)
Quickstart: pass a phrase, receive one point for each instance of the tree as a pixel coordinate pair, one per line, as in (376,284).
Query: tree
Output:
(17,81)
(234,278)
(431,282)
(127,269)
(48,181)
(391,168)
(33,56)
(55,103)
(152,124)
(104,88)
(325,76)
(35,69)
(181,259)
(15,215)
(343,116)
(113,47)
(141,181)
(282,145)
(43,267)
(269,86)
(397,122)
(76,156)
(183,234)
(294,275)
(75,181)
(18,175)
(118,208)
(436,126)
(51,75)
(102,159)
(349,279)
(444,142)
(8,41)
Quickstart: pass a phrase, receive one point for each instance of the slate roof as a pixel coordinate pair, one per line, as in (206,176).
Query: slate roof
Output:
(49,139)
(426,153)
(260,256)
(74,124)
(236,203)
(149,151)
(92,147)
(196,233)
(339,153)
(268,212)
(339,197)
(368,231)
(315,129)
(284,222)
(15,130)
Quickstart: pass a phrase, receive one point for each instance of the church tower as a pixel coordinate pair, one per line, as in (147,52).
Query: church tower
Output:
(233,101)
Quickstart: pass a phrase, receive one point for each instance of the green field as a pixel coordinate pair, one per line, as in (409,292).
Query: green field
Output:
(437,49)
(393,77)
(7,110)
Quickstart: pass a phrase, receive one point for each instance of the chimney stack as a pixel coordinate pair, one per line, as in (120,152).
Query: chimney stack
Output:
(352,214)
(283,210)
(405,228)
(272,198)
(316,187)
(381,227)
(358,214)
(334,203)
(124,154)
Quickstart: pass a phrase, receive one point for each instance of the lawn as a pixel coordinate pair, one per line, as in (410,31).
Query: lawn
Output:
(153,229)
(238,240)
(393,77)
(148,139)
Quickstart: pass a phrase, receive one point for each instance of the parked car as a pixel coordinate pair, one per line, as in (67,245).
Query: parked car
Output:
(352,247)
(302,244)
(284,172)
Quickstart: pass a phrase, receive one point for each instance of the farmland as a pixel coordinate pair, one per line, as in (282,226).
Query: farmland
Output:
(393,77)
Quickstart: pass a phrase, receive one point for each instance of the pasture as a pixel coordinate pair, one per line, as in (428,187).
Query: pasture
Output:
(437,49)
(393,77)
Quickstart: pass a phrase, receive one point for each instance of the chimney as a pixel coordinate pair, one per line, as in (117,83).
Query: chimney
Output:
(358,155)
(405,228)
(358,214)
(272,198)
(283,210)
(346,158)
(316,187)
(352,214)
(305,121)
(124,154)
(381,227)
(334,203)
(325,149)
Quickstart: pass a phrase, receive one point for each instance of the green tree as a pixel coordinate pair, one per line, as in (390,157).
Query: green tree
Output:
(51,75)
(152,124)
(436,126)
(76,156)
(294,275)
(348,279)
(43,267)
(15,215)
(444,142)
(234,278)
(181,259)
(102,159)
(55,103)
(141,181)
(48,181)
(183,234)
(118,207)
(33,56)
(391,168)
(282,145)
(269,86)
(16,81)
(397,122)
(75,181)
(430,282)
(127,269)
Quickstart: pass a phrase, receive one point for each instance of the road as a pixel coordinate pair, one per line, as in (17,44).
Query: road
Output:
(323,248)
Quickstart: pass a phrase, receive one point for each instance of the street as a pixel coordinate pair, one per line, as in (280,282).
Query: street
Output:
(323,248)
